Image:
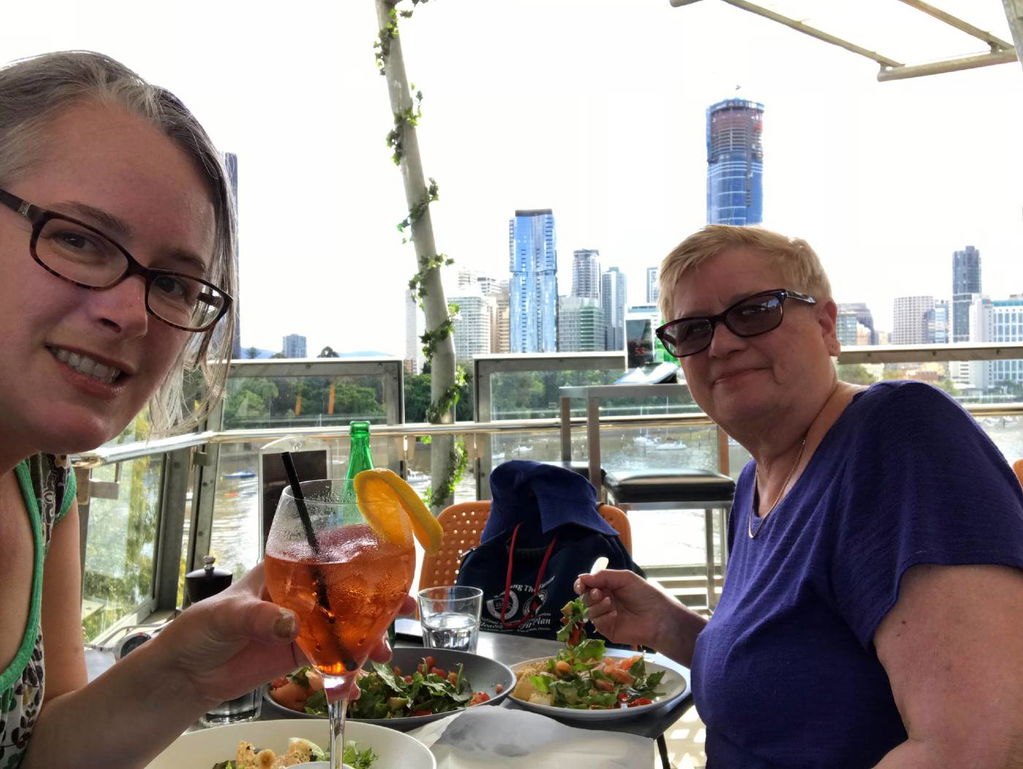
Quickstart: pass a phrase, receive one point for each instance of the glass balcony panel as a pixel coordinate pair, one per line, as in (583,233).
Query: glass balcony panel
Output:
(298,401)
(120,551)
(535,394)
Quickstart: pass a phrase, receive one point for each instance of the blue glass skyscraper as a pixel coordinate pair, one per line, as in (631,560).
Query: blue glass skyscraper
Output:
(533,289)
(965,283)
(735,162)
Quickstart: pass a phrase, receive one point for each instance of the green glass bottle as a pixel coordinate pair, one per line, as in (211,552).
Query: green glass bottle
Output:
(359,456)
(359,459)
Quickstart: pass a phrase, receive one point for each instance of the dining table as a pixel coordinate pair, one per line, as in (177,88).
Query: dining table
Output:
(511,649)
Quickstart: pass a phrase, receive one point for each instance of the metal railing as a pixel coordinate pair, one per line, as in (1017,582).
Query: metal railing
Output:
(188,466)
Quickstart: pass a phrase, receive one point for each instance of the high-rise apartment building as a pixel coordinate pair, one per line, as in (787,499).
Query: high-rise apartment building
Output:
(965,283)
(586,273)
(533,294)
(976,375)
(653,290)
(472,326)
(294,346)
(1006,326)
(580,325)
(415,327)
(612,305)
(863,316)
(473,281)
(847,328)
(910,319)
(735,162)
(500,329)
(938,322)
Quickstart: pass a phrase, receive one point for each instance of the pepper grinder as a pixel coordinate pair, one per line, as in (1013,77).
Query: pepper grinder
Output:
(199,585)
(207,581)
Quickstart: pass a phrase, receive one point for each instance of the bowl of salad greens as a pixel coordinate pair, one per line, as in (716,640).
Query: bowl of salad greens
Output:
(417,686)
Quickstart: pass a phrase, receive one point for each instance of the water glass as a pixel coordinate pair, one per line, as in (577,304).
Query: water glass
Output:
(450,617)
(244,708)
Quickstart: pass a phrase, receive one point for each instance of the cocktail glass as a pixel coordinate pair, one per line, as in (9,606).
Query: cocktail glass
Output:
(344,581)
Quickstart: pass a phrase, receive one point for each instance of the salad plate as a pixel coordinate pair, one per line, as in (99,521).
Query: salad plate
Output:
(485,675)
(204,748)
(672,684)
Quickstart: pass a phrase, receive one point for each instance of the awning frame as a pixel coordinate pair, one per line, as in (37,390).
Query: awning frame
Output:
(1001,51)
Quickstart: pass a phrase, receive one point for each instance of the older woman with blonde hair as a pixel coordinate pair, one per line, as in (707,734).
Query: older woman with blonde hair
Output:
(870,614)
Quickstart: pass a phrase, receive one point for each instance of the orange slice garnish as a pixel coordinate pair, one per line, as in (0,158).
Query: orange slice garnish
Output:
(384,497)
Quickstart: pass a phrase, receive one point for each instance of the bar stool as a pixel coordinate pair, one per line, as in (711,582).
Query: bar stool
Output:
(576,466)
(684,488)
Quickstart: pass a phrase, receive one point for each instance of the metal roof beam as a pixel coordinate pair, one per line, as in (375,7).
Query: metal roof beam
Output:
(806,29)
(1002,52)
(946,65)
(997,44)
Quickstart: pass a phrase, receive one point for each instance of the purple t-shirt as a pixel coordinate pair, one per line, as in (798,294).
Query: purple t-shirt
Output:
(785,675)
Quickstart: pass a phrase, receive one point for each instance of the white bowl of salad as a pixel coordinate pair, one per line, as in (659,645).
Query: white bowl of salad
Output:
(371,746)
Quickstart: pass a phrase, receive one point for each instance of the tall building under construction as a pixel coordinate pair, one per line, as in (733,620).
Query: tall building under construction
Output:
(735,162)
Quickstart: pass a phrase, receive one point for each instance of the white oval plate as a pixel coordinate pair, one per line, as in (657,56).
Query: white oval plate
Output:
(202,749)
(672,684)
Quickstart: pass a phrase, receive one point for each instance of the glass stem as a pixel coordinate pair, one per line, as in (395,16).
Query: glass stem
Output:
(336,711)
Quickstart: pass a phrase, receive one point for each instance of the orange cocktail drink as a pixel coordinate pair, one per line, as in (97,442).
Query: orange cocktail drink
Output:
(344,570)
(364,579)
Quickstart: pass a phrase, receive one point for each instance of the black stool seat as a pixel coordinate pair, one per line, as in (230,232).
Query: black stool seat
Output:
(683,485)
(577,466)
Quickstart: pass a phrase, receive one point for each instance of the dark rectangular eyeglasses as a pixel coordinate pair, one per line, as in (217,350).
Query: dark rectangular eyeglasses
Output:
(752,316)
(83,255)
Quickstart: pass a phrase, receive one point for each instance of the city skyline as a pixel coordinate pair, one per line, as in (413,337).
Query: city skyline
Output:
(614,144)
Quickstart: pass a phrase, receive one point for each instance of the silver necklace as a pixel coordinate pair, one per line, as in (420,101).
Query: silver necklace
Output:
(777,498)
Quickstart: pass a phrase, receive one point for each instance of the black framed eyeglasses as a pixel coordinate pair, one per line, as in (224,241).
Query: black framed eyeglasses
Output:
(81,254)
(752,316)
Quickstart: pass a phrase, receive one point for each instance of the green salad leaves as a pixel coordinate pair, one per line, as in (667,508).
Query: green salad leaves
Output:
(583,678)
(387,692)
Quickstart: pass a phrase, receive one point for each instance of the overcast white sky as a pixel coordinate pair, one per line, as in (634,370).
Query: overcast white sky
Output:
(593,108)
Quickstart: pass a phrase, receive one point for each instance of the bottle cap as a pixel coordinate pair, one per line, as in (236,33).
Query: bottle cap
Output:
(207,581)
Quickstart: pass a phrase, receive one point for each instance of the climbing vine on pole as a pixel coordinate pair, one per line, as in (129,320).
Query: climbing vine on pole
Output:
(447,378)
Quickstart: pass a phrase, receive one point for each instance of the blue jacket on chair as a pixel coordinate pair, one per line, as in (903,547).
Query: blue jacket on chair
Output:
(543,531)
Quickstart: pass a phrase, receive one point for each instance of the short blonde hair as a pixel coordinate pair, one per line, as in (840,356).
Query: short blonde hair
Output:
(795,259)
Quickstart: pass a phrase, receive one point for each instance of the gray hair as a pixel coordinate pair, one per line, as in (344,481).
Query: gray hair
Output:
(34,92)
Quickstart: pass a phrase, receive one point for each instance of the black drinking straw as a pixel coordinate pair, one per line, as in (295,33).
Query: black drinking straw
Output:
(296,492)
(307,524)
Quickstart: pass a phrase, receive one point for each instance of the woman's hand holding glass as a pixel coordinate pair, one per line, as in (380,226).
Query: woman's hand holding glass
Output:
(232,642)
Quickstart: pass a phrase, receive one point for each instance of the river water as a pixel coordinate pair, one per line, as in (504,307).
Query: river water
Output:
(660,537)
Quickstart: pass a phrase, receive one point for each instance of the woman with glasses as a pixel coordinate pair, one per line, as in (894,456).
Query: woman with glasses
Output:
(117,241)
(872,601)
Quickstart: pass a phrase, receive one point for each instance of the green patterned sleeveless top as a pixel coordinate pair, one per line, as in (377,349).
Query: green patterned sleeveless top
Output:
(48,487)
